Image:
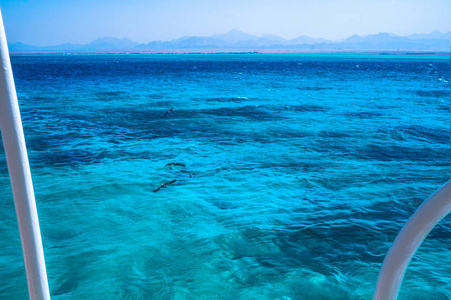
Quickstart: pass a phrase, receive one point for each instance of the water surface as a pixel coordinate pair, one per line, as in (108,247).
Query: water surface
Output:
(304,168)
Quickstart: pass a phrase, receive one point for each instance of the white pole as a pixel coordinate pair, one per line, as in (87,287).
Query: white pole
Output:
(19,172)
(409,239)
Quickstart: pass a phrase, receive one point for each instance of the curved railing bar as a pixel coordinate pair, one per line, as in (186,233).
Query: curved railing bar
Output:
(19,172)
(409,239)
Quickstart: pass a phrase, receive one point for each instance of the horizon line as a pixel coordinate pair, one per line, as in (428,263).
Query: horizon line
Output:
(241,32)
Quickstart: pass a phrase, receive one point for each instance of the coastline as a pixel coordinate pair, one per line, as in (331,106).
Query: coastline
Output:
(227,51)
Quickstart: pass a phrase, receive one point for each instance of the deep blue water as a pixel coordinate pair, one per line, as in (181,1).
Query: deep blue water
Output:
(305,169)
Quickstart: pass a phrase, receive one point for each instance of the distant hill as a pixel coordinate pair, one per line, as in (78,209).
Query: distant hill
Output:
(109,43)
(234,37)
(100,44)
(433,35)
(386,41)
(236,40)
(19,47)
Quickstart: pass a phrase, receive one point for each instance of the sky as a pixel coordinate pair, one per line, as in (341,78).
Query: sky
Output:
(52,22)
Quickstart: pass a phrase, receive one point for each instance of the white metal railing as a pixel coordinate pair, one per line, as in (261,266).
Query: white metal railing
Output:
(409,239)
(19,172)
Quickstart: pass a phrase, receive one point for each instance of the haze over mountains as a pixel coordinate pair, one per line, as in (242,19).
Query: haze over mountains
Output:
(236,40)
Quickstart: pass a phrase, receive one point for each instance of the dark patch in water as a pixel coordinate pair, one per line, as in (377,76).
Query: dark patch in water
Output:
(333,147)
(248,112)
(155,96)
(50,141)
(108,94)
(67,158)
(434,135)
(444,108)
(69,284)
(166,104)
(37,98)
(227,100)
(327,245)
(399,153)
(224,205)
(433,93)
(305,108)
(31,115)
(136,118)
(60,238)
(313,88)
(389,134)
(334,134)
(289,165)
(365,114)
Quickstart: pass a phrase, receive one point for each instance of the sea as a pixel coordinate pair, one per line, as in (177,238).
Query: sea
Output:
(288,176)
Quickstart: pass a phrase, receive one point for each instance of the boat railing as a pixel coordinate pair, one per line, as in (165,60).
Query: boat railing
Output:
(409,239)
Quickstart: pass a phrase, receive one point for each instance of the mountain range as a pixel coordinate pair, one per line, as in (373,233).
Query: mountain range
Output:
(236,40)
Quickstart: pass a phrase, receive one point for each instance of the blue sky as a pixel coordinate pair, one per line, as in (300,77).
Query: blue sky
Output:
(51,22)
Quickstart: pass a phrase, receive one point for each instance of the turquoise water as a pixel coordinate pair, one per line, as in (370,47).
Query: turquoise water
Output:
(304,168)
